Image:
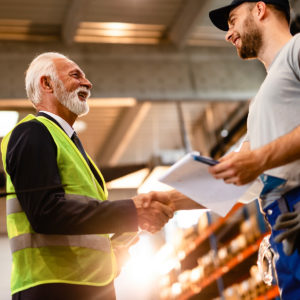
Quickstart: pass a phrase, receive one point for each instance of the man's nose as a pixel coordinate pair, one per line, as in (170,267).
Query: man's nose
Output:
(228,35)
(85,82)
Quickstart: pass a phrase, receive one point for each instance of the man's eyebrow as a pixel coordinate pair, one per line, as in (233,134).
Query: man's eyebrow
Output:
(77,71)
(230,18)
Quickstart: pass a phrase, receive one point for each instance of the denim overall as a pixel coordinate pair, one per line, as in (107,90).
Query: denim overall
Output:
(287,267)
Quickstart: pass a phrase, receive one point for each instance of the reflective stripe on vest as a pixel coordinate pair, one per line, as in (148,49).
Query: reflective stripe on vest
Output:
(35,240)
(13,205)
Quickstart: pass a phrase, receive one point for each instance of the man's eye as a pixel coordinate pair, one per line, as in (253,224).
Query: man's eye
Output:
(75,75)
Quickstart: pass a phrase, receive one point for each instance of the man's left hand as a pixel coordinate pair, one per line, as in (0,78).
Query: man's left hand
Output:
(238,168)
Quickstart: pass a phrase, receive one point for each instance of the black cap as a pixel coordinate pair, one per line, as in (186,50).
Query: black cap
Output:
(219,16)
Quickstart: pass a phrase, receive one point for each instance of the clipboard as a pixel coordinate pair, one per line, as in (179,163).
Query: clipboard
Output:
(190,176)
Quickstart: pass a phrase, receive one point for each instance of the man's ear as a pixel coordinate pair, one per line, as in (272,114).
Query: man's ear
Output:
(46,84)
(261,8)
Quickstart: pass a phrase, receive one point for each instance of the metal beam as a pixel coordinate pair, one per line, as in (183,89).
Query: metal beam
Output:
(72,21)
(122,133)
(147,73)
(185,22)
(93,102)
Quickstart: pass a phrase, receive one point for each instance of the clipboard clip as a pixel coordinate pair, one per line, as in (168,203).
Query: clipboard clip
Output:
(206,160)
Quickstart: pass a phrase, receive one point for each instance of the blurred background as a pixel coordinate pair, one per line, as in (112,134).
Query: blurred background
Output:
(165,82)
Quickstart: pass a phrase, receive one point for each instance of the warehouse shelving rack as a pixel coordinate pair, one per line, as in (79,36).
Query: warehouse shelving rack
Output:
(236,269)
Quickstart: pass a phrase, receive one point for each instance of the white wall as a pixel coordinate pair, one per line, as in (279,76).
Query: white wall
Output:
(5,266)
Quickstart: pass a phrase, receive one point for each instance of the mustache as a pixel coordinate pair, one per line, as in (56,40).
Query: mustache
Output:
(83,89)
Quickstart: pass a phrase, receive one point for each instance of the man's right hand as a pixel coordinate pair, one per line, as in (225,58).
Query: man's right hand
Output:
(154,210)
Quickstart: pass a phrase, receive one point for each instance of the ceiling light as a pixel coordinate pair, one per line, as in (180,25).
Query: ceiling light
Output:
(111,102)
(224,133)
(93,102)
(116,25)
(121,26)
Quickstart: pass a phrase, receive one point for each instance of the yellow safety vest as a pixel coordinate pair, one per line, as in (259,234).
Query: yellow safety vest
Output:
(47,258)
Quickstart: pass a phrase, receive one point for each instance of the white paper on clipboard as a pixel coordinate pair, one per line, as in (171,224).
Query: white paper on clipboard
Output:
(191,178)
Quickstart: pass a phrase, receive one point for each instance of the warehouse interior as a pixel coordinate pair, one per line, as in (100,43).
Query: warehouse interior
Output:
(165,83)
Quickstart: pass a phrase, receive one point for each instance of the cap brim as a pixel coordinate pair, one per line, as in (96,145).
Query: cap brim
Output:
(219,17)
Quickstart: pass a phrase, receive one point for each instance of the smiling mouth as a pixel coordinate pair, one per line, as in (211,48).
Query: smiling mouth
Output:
(82,95)
(235,41)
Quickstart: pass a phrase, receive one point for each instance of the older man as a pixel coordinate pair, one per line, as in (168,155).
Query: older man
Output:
(59,228)
(260,29)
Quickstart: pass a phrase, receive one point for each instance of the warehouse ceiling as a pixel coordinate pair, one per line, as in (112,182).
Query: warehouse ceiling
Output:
(165,81)
(115,21)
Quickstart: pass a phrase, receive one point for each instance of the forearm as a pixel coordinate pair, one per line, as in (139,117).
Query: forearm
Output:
(182,202)
(281,151)
(73,217)
(243,167)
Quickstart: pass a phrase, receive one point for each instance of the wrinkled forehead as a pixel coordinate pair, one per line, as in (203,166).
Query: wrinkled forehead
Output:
(64,65)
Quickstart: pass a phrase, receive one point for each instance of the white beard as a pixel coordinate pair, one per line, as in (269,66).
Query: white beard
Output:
(70,99)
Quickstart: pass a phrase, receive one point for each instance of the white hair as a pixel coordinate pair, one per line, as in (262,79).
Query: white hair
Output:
(42,65)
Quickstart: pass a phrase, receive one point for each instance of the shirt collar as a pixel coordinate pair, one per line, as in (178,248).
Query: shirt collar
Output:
(64,124)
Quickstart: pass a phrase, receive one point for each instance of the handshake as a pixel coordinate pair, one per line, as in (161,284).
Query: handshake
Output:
(154,210)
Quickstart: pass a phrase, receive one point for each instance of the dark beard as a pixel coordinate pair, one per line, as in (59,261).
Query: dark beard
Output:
(251,40)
